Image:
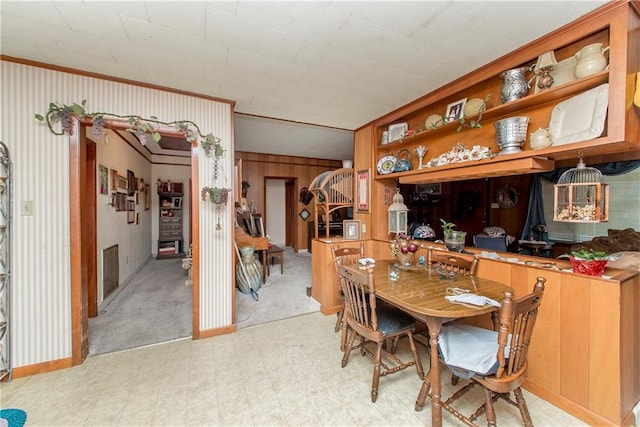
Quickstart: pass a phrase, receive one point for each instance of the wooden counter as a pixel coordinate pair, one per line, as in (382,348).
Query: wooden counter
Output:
(585,351)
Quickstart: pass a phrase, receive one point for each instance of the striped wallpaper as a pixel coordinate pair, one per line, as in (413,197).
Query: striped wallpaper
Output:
(41,318)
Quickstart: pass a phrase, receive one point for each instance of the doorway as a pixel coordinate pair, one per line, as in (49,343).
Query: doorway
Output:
(279,205)
(84,237)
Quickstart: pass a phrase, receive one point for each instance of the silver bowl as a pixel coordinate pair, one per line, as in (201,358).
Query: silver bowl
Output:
(511,134)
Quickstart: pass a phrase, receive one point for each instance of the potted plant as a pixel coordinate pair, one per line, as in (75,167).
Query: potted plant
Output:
(453,239)
(591,263)
(216,195)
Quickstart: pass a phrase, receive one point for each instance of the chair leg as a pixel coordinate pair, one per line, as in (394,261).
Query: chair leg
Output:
(376,373)
(343,338)
(340,319)
(424,391)
(491,413)
(347,350)
(522,405)
(454,379)
(416,356)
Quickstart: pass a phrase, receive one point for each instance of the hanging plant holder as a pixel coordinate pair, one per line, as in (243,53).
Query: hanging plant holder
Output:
(580,196)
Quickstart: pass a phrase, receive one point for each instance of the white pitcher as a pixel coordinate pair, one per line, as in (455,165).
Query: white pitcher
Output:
(591,60)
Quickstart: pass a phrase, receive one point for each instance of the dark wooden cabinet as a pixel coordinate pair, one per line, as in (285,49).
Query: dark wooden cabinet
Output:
(170,222)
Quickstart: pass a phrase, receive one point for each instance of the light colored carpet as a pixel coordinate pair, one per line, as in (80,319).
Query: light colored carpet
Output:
(155,306)
(282,296)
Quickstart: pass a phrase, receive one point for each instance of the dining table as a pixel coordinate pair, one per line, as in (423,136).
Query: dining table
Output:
(420,291)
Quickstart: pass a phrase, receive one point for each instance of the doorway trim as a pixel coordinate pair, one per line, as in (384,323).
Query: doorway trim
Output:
(83,234)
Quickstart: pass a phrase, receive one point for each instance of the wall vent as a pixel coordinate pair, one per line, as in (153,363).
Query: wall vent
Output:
(110,270)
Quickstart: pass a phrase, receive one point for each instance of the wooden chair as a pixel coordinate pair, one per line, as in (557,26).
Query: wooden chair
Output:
(344,256)
(503,354)
(374,324)
(450,261)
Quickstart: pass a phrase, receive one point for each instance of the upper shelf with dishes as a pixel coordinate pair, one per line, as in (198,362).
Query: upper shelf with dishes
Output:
(553,98)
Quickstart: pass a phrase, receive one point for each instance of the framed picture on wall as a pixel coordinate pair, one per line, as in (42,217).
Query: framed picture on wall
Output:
(131,217)
(103,174)
(362,180)
(351,229)
(114,179)
(122,182)
(131,183)
(147,197)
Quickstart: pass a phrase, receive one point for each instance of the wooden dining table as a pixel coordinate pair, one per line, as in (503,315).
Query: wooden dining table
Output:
(421,291)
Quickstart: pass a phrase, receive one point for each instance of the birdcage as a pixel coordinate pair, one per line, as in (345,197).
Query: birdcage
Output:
(580,196)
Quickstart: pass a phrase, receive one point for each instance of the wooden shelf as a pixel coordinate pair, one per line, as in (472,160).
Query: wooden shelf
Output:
(572,88)
(486,168)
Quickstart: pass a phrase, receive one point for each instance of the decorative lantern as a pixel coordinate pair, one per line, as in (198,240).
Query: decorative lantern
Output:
(398,214)
(580,196)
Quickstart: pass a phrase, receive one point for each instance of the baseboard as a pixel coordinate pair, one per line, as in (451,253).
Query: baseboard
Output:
(41,368)
(569,406)
(208,333)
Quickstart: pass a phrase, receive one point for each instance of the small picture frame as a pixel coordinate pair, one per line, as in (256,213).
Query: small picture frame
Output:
(122,182)
(131,183)
(103,173)
(177,202)
(131,217)
(114,179)
(455,110)
(147,197)
(351,229)
(304,214)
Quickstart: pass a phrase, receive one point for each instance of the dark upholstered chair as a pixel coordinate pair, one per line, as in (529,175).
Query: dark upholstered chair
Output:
(494,360)
(374,324)
(344,256)
(493,243)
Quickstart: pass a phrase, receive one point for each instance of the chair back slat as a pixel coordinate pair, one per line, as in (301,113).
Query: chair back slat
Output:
(346,256)
(451,261)
(516,321)
(359,293)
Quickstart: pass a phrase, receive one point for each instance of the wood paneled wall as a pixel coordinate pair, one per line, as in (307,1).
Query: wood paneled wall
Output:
(257,168)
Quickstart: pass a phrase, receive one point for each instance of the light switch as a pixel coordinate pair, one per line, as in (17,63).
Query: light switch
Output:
(26,207)
(364,228)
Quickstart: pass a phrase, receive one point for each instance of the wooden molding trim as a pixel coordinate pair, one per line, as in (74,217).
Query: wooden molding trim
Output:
(111,78)
(41,368)
(209,333)
(569,406)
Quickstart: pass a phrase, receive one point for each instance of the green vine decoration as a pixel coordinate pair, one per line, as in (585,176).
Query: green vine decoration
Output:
(60,117)
(59,120)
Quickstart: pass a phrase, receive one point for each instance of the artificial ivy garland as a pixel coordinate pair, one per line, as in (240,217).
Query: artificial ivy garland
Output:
(61,116)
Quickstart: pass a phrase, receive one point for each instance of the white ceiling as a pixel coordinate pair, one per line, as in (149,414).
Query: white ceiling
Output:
(337,64)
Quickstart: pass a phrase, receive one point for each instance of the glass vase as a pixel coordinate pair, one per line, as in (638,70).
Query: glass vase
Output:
(454,240)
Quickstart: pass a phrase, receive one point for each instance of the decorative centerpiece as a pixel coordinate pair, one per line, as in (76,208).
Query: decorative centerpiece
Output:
(403,248)
(453,239)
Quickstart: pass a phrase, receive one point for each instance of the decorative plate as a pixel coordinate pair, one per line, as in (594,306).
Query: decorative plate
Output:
(581,117)
(473,107)
(433,121)
(397,131)
(387,165)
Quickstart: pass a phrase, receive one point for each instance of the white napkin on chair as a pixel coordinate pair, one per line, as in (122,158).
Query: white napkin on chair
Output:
(472,299)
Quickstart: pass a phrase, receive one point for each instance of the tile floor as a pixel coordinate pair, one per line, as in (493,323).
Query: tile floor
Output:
(284,373)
